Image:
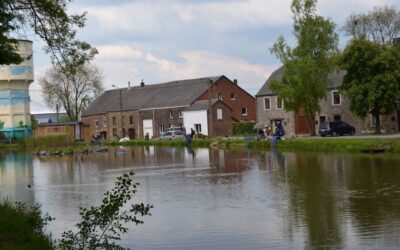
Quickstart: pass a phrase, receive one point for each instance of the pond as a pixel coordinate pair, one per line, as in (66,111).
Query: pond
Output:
(217,199)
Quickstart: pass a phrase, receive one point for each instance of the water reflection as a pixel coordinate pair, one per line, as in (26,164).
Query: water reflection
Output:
(224,199)
(16,173)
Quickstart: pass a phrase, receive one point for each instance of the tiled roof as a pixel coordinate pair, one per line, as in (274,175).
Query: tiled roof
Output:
(170,94)
(335,81)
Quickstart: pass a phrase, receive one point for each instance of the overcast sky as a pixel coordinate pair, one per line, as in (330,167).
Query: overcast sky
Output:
(165,40)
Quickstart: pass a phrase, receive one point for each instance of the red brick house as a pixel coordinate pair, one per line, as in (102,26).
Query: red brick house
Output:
(135,111)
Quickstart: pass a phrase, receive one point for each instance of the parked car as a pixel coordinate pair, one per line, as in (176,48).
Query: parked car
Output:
(172,129)
(172,135)
(125,139)
(336,128)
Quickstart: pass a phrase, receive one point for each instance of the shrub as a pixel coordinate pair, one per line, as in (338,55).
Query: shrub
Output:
(101,226)
(21,227)
(244,128)
(47,141)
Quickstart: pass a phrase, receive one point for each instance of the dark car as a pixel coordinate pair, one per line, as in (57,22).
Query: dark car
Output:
(336,128)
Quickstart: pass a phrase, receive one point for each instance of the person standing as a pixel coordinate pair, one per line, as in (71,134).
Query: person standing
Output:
(188,136)
(192,133)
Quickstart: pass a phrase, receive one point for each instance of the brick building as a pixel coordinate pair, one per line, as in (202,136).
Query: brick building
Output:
(213,118)
(336,107)
(135,111)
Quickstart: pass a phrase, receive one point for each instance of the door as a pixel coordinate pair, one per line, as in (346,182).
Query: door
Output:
(148,128)
(398,120)
(104,134)
(131,133)
(301,124)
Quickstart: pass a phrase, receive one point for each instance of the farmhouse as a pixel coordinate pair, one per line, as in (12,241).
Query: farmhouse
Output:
(335,107)
(150,109)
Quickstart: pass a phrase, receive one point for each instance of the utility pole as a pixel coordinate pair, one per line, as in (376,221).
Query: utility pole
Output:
(120,111)
(209,108)
(57,113)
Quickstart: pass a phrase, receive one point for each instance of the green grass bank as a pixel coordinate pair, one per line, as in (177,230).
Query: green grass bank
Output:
(21,228)
(339,144)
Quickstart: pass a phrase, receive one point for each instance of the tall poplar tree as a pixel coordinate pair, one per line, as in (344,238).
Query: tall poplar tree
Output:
(307,65)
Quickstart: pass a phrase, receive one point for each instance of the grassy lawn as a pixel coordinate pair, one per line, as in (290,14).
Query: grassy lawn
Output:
(21,228)
(345,145)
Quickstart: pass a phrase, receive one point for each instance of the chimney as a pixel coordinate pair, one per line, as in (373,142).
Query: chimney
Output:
(235,81)
(129,85)
(142,84)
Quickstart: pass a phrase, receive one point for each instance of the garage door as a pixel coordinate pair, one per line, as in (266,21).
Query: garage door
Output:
(148,127)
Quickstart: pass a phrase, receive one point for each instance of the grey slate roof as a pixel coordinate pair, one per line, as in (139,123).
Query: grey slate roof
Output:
(200,105)
(170,94)
(335,81)
(45,117)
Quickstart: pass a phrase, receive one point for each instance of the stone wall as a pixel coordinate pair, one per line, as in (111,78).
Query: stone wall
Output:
(269,116)
(162,119)
(329,112)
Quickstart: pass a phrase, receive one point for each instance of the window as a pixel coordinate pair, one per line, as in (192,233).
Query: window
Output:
(336,98)
(219,114)
(104,122)
(233,97)
(219,96)
(171,114)
(197,127)
(114,133)
(180,113)
(244,111)
(267,103)
(337,118)
(279,103)
(97,123)
(131,120)
(373,118)
(162,128)
(114,120)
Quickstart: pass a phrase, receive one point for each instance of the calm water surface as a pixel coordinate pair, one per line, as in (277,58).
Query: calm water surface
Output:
(216,199)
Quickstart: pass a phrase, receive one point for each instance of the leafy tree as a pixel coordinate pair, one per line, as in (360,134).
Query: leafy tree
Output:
(50,21)
(102,226)
(72,90)
(380,25)
(34,123)
(372,81)
(308,65)
(8,53)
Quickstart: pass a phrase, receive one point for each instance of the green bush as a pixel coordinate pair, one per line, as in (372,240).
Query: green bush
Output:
(244,128)
(100,227)
(21,227)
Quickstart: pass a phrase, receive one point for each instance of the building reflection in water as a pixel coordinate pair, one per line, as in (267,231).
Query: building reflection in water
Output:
(299,200)
(16,173)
